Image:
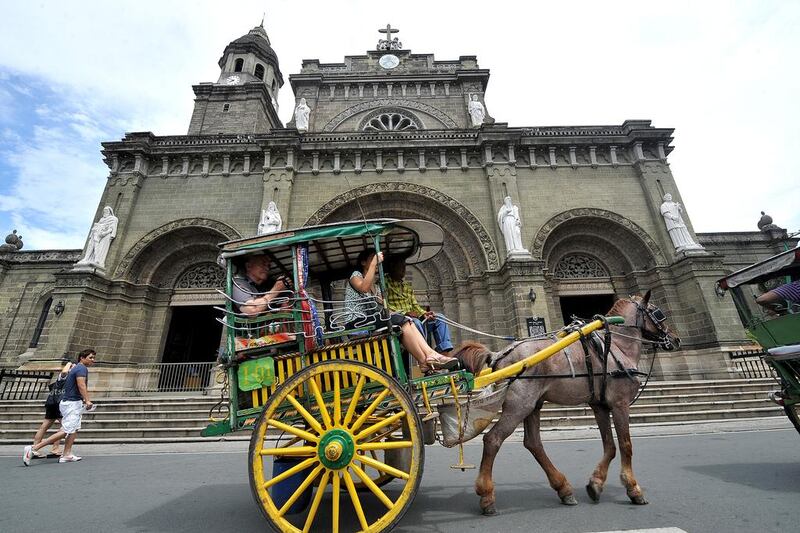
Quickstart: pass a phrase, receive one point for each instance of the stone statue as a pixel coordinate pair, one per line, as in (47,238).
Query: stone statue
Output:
(673,218)
(477,113)
(271,221)
(100,237)
(301,114)
(511,227)
(13,243)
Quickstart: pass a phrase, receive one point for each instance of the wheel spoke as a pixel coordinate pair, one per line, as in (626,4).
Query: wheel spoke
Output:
(366,414)
(312,513)
(351,489)
(292,471)
(305,414)
(303,486)
(383,467)
(335,509)
(290,451)
(373,487)
(386,445)
(323,411)
(378,425)
(293,430)
(337,399)
(354,401)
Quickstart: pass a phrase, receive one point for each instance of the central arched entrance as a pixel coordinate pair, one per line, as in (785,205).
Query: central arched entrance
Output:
(452,282)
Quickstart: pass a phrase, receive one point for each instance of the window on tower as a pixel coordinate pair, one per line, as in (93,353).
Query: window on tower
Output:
(238,65)
(259,72)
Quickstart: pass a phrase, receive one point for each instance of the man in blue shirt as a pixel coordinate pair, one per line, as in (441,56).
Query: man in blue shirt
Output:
(74,402)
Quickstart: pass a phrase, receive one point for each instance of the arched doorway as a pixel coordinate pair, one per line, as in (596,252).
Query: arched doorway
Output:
(590,256)
(177,264)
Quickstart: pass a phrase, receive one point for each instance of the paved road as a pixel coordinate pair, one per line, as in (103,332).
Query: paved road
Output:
(731,482)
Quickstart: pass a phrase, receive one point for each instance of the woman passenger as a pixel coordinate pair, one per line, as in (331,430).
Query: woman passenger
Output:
(361,304)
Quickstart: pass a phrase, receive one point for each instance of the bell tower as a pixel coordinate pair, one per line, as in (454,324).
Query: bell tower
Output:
(244,99)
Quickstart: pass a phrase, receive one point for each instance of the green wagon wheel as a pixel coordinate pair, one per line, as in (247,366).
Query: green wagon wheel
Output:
(332,431)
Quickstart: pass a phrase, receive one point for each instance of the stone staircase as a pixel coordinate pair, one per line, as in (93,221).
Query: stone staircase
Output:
(154,419)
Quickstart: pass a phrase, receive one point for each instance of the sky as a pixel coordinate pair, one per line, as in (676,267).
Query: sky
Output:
(723,74)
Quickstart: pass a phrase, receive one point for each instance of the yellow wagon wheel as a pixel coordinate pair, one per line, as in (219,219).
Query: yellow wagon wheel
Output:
(333,415)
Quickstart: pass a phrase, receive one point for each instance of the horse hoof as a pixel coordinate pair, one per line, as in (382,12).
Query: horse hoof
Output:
(639,500)
(489,511)
(594,490)
(569,500)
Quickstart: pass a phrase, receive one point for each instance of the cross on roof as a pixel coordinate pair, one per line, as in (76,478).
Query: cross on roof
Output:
(388,31)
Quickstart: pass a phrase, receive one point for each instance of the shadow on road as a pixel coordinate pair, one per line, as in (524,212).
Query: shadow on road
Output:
(780,477)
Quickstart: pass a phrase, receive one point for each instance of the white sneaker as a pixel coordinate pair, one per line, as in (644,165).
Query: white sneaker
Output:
(26,455)
(69,459)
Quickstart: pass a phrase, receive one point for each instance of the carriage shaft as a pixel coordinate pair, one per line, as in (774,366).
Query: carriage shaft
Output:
(520,366)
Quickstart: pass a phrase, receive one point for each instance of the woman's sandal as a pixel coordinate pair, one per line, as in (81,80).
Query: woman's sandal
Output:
(435,367)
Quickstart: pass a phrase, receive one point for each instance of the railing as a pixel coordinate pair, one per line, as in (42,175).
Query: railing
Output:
(750,363)
(172,377)
(23,384)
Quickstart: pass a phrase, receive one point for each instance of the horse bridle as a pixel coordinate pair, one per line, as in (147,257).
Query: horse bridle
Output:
(657,317)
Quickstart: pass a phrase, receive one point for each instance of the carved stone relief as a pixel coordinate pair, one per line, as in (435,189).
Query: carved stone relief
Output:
(202,276)
(579,266)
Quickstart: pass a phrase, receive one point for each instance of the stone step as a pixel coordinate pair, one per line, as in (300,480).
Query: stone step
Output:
(32,419)
(191,430)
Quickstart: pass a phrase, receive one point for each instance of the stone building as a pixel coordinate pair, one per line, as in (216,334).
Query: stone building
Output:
(389,135)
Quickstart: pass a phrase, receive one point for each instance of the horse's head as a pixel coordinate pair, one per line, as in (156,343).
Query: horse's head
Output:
(649,319)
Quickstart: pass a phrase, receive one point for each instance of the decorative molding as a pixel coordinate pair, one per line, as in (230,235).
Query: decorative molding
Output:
(42,256)
(537,247)
(489,250)
(140,245)
(336,121)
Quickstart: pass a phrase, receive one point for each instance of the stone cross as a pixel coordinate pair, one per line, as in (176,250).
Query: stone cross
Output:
(388,31)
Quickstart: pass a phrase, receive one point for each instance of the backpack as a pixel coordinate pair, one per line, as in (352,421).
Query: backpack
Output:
(56,391)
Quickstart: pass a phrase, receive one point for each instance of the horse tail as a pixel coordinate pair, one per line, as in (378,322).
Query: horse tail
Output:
(474,356)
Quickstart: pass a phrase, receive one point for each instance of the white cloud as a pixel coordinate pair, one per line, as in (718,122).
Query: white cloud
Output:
(721,73)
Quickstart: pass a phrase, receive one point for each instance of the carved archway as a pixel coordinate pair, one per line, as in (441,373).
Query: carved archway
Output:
(465,235)
(599,225)
(351,111)
(166,252)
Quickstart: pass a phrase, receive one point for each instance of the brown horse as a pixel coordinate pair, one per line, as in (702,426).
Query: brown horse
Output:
(527,394)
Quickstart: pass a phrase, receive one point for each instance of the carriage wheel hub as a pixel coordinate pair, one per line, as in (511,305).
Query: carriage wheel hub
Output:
(336,449)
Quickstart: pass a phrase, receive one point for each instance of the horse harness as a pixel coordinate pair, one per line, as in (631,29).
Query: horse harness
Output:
(602,346)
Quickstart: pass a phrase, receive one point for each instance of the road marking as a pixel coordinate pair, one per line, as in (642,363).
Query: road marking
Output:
(656,530)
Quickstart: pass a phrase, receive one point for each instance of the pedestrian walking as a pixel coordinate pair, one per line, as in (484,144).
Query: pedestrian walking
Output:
(52,410)
(73,403)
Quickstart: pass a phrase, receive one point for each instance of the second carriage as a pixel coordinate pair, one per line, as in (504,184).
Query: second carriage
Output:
(339,421)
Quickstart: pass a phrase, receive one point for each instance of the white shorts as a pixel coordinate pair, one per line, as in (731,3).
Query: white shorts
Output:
(71,412)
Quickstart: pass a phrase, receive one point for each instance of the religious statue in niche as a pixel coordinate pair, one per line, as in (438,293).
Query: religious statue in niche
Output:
(511,227)
(678,232)
(102,233)
(271,221)
(477,113)
(301,114)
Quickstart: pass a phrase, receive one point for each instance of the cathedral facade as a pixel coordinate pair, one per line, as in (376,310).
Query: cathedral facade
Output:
(386,134)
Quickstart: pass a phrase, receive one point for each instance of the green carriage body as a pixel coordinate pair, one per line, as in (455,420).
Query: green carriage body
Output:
(254,373)
(775,330)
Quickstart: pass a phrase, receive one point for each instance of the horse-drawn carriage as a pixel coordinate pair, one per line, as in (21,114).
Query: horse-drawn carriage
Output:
(773,322)
(334,409)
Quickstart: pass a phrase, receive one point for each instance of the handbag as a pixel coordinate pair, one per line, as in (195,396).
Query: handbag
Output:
(56,391)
